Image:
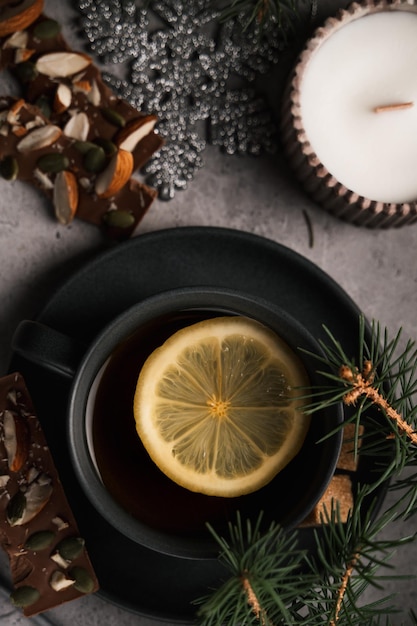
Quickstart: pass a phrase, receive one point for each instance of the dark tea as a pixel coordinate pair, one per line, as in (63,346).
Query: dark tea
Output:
(127,471)
(130,475)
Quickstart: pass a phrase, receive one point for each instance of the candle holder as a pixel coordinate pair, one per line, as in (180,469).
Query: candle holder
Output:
(308,154)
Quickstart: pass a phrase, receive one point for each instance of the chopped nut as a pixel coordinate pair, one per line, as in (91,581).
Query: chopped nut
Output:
(19,39)
(43,179)
(19,131)
(39,138)
(35,123)
(23,54)
(129,136)
(59,581)
(4,479)
(15,440)
(13,114)
(62,99)
(62,64)
(60,523)
(65,196)
(94,96)
(77,127)
(82,86)
(116,174)
(59,560)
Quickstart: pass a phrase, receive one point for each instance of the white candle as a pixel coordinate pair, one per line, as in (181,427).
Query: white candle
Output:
(367,63)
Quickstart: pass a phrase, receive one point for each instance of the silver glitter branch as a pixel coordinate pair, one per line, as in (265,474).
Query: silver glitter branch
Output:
(182,62)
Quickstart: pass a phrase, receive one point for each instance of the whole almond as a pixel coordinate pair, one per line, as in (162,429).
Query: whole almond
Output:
(128,137)
(116,174)
(18,16)
(62,64)
(65,197)
(39,138)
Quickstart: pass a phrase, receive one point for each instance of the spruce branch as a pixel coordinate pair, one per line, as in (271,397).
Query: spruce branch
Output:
(349,556)
(361,384)
(259,12)
(272,581)
(379,378)
(265,582)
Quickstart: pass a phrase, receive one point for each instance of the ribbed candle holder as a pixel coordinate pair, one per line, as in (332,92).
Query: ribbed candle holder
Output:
(323,185)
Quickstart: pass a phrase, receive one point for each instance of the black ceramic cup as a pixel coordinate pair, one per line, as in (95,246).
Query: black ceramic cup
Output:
(109,460)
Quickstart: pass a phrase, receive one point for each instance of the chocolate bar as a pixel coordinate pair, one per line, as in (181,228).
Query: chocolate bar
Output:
(35,150)
(48,559)
(114,139)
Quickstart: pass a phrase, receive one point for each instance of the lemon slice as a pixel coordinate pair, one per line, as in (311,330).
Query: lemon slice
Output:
(216,406)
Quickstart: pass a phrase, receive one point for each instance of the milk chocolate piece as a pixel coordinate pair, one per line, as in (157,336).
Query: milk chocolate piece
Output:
(69,93)
(27,145)
(48,560)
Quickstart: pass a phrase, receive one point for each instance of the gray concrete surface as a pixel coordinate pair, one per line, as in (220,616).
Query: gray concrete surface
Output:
(378,269)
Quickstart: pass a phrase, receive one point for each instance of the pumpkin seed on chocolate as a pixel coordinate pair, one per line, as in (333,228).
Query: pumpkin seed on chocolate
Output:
(70,548)
(83,146)
(108,146)
(48,29)
(24,596)
(53,162)
(95,159)
(114,117)
(39,540)
(82,579)
(9,168)
(16,508)
(44,105)
(118,218)
(26,71)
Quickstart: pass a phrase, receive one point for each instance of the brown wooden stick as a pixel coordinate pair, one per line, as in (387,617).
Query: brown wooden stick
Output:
(252,599)
(362,385)
(393,107)
(342,589)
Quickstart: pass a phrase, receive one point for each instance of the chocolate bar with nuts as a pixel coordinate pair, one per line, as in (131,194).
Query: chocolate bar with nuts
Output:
(68,90)
(48,559)
(37,151)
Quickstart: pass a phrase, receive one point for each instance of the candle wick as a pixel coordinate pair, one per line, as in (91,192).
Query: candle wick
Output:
(395,106)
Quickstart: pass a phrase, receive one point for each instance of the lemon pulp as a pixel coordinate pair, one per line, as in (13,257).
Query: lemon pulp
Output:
(218,406)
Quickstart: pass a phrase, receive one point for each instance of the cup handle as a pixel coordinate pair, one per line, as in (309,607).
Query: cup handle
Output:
(47,348)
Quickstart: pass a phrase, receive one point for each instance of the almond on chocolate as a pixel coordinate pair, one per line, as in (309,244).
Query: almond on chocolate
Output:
(36,521)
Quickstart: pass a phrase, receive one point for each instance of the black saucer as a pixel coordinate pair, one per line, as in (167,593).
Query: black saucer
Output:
(132,577)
